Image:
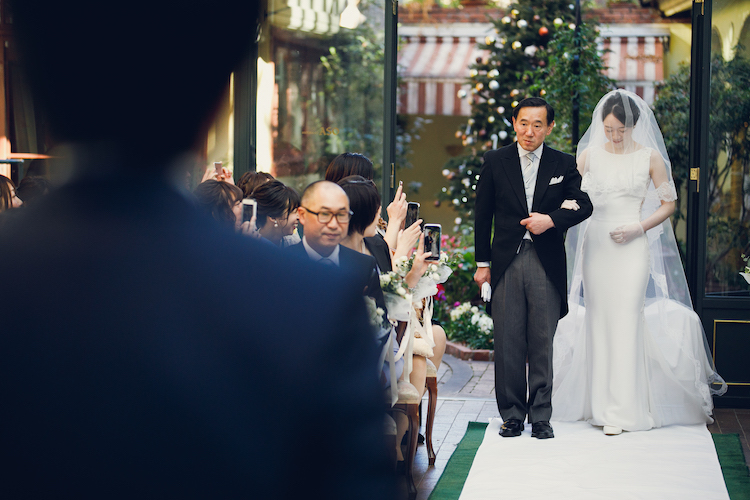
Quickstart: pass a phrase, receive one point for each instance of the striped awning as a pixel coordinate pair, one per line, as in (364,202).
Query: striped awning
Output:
(434,64)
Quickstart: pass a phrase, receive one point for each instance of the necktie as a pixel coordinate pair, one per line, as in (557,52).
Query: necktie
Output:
(528,169)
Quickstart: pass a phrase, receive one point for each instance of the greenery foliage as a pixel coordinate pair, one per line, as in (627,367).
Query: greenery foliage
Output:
(728,235)
(530,54)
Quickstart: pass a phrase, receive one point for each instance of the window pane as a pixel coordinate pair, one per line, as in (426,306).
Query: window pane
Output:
(728,225)
(320,86)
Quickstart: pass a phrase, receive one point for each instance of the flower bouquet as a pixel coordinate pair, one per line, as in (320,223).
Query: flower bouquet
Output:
(397,295)
(470,326)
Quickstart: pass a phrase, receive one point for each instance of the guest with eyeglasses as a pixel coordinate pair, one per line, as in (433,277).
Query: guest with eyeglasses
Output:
(325,215)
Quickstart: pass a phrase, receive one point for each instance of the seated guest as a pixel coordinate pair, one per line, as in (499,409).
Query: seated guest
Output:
(277,211)
(31,187)
(324,214)
(347,164)
(364,201)
(220,200)
(8,197)
(251,180)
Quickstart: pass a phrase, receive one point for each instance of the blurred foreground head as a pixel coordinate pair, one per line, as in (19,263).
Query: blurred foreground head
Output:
(140,77)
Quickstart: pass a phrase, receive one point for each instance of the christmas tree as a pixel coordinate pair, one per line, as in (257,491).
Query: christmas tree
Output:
(525,41)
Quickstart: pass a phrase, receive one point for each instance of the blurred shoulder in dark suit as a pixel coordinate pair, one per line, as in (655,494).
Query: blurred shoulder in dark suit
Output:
(147,351)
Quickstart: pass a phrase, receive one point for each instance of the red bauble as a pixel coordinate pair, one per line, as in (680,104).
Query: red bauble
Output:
(543,31)
(542,63)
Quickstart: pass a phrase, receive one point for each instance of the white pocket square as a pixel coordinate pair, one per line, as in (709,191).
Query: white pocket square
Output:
(556,180)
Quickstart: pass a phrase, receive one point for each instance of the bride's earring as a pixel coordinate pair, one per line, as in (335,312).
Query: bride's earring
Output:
(275,223)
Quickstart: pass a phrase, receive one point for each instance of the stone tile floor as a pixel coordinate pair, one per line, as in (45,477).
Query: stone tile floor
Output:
(466,392)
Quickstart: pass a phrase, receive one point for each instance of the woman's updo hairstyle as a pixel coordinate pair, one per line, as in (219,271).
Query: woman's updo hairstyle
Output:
(347,164)
(364,201)
(615,105)
(217,198)
(275,199)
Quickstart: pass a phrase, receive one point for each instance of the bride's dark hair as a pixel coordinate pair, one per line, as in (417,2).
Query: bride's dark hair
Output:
(615,105)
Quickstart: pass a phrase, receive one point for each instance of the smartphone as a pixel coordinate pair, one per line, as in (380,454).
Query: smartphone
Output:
(432,234)
(412,214)
(217,167)
(249,209)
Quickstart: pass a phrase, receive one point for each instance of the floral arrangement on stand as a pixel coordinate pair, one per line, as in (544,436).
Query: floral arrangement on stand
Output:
(746,273)
(471,326)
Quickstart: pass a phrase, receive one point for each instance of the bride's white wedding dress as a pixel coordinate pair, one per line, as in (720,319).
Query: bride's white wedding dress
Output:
(618,360)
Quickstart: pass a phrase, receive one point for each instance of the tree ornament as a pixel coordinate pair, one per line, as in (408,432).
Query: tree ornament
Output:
(493,85)
(479,60)
(491,119)
(500,110)
(522,23)
(514,12)
(493,73)
(557,22)
(536,17)
(542,63)
(479,86)
(473,73)
(514,104)
(458,136)
(503,135)
(572,26)
(489,40)
(543,31)
(514,93)
(516,45)
(542,92)
(530,50)
(571,6)
(471,121)
(491,101)
(470,140)
(506,20)
(461,94)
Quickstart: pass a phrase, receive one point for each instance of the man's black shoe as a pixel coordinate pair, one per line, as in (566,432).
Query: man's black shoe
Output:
(542,430)
(511,428)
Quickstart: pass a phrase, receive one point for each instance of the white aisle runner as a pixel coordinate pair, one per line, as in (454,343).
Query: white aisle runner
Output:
(581,463)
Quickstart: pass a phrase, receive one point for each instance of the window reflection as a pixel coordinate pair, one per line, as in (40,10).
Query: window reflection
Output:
(320,86)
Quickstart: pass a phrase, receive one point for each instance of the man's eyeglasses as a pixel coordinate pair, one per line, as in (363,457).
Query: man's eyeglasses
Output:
(324,216)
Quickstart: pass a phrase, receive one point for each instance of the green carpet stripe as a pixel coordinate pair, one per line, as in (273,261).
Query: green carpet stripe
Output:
(452,480)
(733,465)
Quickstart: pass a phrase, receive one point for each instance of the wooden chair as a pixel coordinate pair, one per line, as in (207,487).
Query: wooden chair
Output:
(408,404)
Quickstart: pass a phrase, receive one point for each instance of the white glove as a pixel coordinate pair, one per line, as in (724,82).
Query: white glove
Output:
(570,205)
(626,233)
(486,292)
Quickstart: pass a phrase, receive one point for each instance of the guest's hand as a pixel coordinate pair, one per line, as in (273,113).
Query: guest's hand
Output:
(420,264)
(225,175)
(248,228)
(570,205)
(397,208)
(626,233)
(406,240)
(538,223)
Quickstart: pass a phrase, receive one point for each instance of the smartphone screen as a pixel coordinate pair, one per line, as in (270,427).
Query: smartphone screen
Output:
(249,209)
(432,240)
(412,214)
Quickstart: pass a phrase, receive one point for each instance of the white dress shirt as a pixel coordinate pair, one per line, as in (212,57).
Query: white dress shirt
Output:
(316,257)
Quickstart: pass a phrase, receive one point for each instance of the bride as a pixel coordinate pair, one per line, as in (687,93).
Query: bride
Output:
(631,355)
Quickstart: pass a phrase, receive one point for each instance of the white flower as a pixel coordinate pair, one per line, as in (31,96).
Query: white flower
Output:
(475,309)
(433,267)
(401,291)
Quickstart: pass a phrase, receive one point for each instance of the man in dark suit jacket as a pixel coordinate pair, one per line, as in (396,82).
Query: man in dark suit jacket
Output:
(147,352)
(522,187)
(324,213)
